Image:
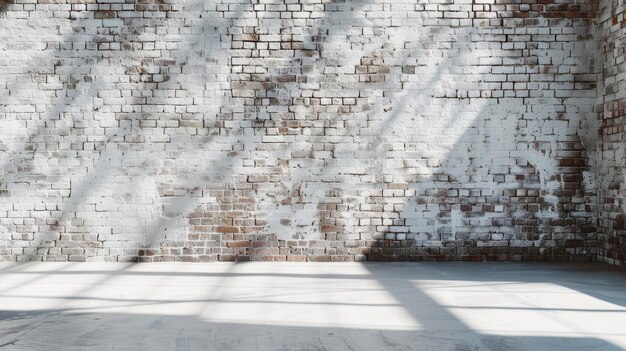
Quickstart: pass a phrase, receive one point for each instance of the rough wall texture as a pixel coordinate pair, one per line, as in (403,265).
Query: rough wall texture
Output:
(300,130)
(611,133)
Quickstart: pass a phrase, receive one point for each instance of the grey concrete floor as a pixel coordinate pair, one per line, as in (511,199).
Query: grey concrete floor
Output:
(324,306)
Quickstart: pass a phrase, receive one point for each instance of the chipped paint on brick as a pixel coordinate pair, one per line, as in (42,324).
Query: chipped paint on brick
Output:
(319,130)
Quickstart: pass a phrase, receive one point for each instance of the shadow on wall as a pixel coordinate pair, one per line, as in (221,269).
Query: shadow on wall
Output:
(529,202)
(502,191)
(406,306)
(229,182)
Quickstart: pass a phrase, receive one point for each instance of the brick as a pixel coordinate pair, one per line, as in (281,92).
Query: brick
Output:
(104,14)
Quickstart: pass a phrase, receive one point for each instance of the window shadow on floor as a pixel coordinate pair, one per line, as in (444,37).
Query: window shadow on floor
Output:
(273,307)
(43,329)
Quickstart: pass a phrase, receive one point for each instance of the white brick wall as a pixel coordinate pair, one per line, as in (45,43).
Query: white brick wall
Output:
(295,130)
(612,112)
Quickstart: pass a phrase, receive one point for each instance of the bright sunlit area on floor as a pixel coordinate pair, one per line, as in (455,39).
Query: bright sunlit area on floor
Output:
(291,306)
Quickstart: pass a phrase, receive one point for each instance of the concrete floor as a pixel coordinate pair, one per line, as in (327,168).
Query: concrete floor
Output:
(288,306)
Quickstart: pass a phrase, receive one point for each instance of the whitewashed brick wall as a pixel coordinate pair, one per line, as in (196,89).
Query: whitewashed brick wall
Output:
(611,142)
(321,130)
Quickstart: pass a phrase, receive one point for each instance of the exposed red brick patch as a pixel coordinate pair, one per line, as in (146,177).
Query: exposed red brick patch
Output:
(227,229)
(104,14)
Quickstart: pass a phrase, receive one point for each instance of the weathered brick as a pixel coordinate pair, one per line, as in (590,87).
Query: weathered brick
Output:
(292,135)
(104,14)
